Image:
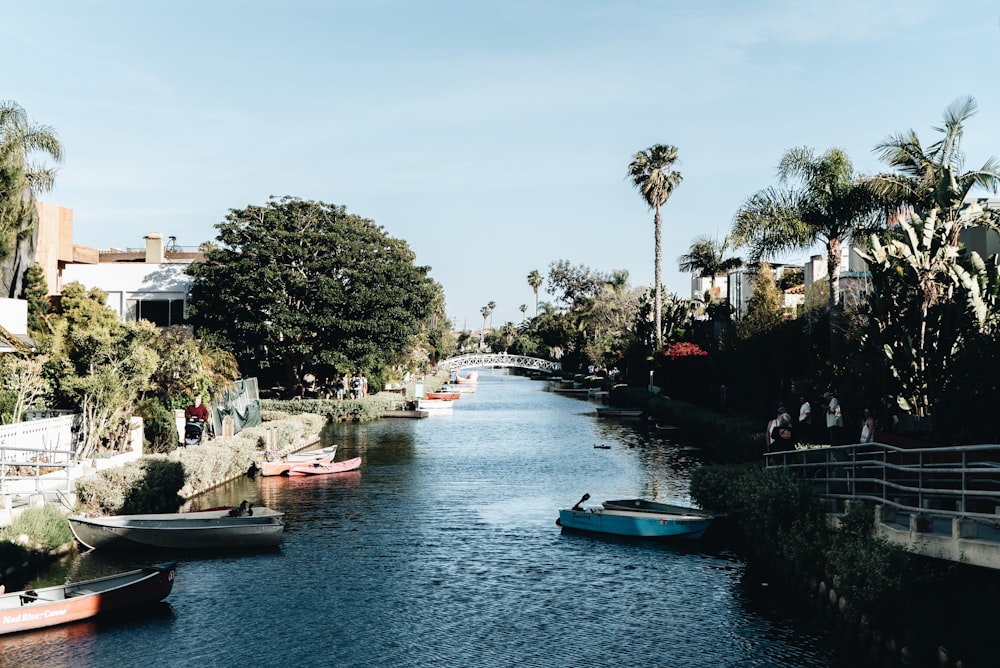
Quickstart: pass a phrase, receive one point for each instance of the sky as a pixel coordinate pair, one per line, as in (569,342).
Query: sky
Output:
(493,137)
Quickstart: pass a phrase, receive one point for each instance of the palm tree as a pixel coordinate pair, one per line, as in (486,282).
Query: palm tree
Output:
(491,306)
(652,173)
(485,312)
(523,308)
(828,202)
(21,180)
(925,179)
(707,258)
(535,281)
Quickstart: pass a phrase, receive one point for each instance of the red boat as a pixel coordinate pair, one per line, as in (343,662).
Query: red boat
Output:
(447,396)
(322,468)
(38,608)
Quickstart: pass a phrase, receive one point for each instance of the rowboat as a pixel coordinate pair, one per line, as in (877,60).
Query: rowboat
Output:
(208,529)
(638,518)
(322,468)
(473,377)
(281,467)
(48,606)
(435,405)
(447,396)
(613,411)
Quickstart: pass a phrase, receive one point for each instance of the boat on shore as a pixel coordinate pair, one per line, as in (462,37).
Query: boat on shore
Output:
(637,518)
(615,412)
(49,606)
(223,528)
(324,468)
(281,466)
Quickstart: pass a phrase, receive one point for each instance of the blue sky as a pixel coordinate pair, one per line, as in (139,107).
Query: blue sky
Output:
(492,136)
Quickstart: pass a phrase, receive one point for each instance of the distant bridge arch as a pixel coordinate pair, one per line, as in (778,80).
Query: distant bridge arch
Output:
(497,359)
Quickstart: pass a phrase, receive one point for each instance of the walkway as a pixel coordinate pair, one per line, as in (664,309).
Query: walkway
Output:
(939,502)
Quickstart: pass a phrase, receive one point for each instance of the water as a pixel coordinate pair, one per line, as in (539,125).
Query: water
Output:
(443,551)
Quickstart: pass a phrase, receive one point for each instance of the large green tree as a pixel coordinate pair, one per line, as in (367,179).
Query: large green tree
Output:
(99,365)
(652,173)
(296,287)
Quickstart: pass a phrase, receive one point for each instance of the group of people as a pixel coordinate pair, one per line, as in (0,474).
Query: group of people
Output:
(782,433)
(355,386)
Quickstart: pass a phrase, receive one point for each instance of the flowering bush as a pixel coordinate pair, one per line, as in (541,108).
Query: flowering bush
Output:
(683,349)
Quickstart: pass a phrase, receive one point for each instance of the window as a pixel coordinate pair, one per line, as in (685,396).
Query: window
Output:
(160,312)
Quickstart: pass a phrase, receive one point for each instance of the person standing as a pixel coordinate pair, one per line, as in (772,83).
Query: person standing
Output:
(769,429)
(834,418)
(868,427)
(783,436)
(805,428)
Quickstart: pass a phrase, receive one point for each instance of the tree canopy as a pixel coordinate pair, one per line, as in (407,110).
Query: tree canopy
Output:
(296,287)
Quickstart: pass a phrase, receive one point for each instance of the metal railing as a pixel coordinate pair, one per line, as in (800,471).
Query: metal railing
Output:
(32,453)
(959,481)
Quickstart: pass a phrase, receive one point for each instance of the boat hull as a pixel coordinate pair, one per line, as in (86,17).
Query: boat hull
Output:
(281,467)
(638,518)
(62,604)
(447,396)
(605,411)
(318,468)
(199,530)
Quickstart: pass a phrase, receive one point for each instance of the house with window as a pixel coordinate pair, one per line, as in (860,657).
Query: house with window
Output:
(148,282)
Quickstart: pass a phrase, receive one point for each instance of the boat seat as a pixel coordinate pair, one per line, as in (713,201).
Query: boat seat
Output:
(80,592)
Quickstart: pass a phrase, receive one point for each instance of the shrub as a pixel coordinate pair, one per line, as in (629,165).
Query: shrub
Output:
(45,526)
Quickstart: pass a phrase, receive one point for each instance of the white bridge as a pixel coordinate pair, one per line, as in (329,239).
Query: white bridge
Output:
(497,359)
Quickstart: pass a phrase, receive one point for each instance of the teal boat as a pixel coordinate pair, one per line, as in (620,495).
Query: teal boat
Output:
(638,518)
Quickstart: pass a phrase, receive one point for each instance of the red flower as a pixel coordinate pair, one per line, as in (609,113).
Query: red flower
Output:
(683,349)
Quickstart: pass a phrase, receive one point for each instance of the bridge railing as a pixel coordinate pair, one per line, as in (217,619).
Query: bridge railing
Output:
(497,359)
(960,481)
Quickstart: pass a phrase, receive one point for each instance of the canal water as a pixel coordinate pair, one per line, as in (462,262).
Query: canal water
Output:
(443,551)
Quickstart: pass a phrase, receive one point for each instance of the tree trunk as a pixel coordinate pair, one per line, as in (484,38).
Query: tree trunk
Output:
(833,255)
(658,298)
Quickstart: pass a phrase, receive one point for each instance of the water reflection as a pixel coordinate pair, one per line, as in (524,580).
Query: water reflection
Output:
(443,551)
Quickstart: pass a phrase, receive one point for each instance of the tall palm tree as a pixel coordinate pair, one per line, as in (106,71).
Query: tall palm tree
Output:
(933,177)
(21,179)
(485,312)
(652,173)
(535,281)
(824,201)
(523,308)
(707,258)
(491,306)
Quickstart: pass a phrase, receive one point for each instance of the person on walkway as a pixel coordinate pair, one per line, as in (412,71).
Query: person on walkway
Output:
(834,418)
(783,435)
(805,427)
(868,427)
(890,410)
(769,428)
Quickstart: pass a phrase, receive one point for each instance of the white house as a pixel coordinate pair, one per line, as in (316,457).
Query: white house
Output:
(150,284)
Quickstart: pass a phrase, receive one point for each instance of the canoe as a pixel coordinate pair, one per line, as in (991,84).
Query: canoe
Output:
(281,467)
(48,606)
(448,396)
(637,518)
(209,529)
(323,468)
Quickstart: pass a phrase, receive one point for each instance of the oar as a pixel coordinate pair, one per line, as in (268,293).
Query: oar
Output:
(579,504)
